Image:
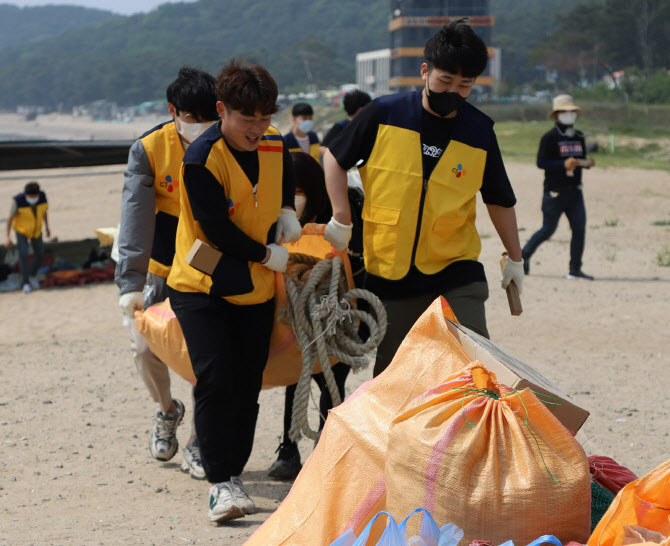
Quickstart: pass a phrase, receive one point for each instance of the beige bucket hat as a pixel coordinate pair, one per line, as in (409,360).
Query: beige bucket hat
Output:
(564,103)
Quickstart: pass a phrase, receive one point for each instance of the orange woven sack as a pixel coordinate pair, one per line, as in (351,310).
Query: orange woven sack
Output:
(342,484)
(160,327)
(493,461)
(644,503)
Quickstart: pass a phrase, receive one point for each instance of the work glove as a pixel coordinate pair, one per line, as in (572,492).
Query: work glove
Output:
(130,301)
(338,234)
(288,226)
(278,258)
(513,271)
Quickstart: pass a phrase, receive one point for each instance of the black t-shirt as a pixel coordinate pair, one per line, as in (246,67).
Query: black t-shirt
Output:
(556,146)
(355,143)
(334,131)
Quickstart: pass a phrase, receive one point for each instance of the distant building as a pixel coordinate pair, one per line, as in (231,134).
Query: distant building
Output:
(411,24)
(373,71)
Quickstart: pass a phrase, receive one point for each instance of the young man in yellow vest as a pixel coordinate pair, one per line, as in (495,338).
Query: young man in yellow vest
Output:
(426,155)
(149,216)
(237,195)
(28,212)
(302,138)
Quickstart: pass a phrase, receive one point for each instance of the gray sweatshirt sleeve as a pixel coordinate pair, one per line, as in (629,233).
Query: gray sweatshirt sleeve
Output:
(138,219)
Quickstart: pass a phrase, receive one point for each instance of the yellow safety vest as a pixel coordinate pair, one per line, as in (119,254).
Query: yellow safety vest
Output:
(252,213)
(165,152)
(412,221)
(26,222)
(314,149)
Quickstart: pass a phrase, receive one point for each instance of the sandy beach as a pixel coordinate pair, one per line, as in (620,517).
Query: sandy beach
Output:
(75,418)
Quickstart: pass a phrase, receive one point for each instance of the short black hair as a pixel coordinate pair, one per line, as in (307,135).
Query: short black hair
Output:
(456,48)
(193,92)
(354,100)
(302,109)
(32,188)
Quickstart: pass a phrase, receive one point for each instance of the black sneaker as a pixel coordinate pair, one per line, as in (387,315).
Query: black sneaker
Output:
(287,466)
(579,275)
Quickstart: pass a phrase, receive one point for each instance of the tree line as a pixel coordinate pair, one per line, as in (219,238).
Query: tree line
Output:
(313,43)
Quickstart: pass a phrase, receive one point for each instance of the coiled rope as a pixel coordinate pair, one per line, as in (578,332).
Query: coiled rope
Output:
(325,322)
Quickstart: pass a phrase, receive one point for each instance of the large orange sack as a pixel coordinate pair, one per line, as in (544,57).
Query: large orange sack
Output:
(160,327)
(342,485)
(644,503)
(493,461)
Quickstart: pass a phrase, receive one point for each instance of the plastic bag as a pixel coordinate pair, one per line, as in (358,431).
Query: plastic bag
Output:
(395,535)
(342,485)
(160,327)
(492,460)
(644,503)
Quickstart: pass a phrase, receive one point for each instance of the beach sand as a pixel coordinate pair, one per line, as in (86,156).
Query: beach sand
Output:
(75,418)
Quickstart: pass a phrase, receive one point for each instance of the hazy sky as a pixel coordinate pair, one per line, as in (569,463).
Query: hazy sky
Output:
(123,7)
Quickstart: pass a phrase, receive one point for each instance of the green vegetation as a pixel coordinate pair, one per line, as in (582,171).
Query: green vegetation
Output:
(661,223)
(663,257)
(612,223)
(26,25)
(641,133)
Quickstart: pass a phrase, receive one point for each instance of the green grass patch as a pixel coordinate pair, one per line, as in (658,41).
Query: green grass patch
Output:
(663,257)
(612,223)
(661,223)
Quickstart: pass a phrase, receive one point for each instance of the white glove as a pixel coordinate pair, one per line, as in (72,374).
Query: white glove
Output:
(130,301)
(288,226)
(513,271)
(338,234)
(278,258)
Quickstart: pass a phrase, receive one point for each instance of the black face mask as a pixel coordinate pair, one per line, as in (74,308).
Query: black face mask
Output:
(443,103)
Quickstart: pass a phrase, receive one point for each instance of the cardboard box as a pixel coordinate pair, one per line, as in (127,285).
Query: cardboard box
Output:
(512,372)
(203,257)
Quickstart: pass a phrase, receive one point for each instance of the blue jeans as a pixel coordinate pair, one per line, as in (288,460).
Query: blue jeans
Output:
(554,204)
(27,270)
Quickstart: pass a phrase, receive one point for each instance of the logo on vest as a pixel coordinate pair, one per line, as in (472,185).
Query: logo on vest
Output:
(459,170)
(169,184)
(231,207)
(432,151)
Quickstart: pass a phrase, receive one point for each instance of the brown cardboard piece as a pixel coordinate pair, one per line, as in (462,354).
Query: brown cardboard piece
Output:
(203,257)
(512,372)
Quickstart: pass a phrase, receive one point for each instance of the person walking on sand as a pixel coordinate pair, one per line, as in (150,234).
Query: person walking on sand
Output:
(146,241)
(26,216)
(562,155)
(426,155)
(238,192)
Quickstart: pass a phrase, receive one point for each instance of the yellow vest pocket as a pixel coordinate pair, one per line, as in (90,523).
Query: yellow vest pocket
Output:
(380,232)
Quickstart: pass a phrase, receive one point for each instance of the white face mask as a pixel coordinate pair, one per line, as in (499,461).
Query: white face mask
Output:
(191,131)
(567,118)
(32,200)
(300,202)
(306,125)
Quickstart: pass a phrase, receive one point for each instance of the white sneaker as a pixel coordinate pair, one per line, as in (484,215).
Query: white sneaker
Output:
(27,289)
(242,497)
(34,283)
(222,503)
(192,461)
(164,444)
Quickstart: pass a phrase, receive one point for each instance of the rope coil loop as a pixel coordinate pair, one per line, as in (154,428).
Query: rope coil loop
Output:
(325,321)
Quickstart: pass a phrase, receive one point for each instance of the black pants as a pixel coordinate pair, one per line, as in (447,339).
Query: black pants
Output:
(554,204)
(340,371)
(228,345)
(467,303)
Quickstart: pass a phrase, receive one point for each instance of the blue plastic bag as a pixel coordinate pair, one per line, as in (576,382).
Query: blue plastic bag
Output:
(395,535)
